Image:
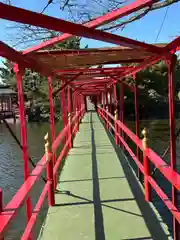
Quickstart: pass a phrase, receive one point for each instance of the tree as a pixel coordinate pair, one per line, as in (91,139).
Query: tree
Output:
(35,85)
(155,79)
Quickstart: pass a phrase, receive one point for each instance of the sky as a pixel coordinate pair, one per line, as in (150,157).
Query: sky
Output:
(145,29)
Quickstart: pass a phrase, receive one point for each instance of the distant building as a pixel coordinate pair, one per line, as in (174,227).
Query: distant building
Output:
(7,98)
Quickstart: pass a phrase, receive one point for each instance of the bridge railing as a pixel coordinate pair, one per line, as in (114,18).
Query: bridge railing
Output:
(121,132)
(8,213)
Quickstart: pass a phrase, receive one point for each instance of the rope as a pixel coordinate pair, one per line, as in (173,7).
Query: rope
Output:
(19,144)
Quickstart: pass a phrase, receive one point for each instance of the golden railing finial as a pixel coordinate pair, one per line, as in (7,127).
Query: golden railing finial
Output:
(145,138)
(46,146)
(116,114)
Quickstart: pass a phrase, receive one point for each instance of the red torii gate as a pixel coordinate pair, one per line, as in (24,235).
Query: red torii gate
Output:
(100,82)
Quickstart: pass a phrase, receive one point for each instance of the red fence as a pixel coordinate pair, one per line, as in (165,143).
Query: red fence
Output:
(121,132)
(8,213)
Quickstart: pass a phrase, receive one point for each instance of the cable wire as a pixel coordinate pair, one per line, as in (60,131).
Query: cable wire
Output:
(162,24)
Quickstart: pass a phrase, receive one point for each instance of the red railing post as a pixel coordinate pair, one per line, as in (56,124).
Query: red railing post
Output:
(104,100)
(77,120)
(63,111)
(116,126)
(146,166)
(69,118)
(107,118)
(19,81)
(106,97)
(49,167)
(51,105)
(121,116)
(116,108)
(171,64)
(110,101)
(136,105)
(85,104)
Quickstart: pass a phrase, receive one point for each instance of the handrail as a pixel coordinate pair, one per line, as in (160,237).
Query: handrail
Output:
(58,139)
(171,175)
(17,201)
(10,210)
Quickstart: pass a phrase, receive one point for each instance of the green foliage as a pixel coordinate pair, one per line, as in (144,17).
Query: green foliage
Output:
(35,85)
(7,75)
(156,78)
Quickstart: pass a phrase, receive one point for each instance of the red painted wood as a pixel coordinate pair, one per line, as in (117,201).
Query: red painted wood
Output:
(136,106)
(175,212)
(23,135)
(50,178)
(108,17)
(146,176)
(20,15)
(115,95)
(24,61)
(90,71)
(35,212)
(17,201)
(52,124)
(166,170)
(70,117)
(20,197)
(171,65)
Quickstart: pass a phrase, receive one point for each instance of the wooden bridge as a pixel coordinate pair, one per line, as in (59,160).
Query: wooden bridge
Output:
(98,195)
(92,191)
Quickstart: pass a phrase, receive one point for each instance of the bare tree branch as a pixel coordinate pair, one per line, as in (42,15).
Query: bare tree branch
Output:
(141,14)
(81,12)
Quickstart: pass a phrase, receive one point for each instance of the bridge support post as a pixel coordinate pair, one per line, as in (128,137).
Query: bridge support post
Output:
(171,64)
(19,81)
(110,101)
(121,100)
(51,105)
(69,118)
(106,99)
(103,102)
(85,103)
(116,127)
(107,118)
(51,198)
(115,105)
(77,120)
(136,105)
(146,166)
(63,110)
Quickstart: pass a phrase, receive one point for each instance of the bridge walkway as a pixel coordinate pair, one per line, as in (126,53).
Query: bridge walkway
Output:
(98,196)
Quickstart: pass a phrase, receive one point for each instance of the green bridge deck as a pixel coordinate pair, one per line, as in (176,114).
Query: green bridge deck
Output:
(98,196)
